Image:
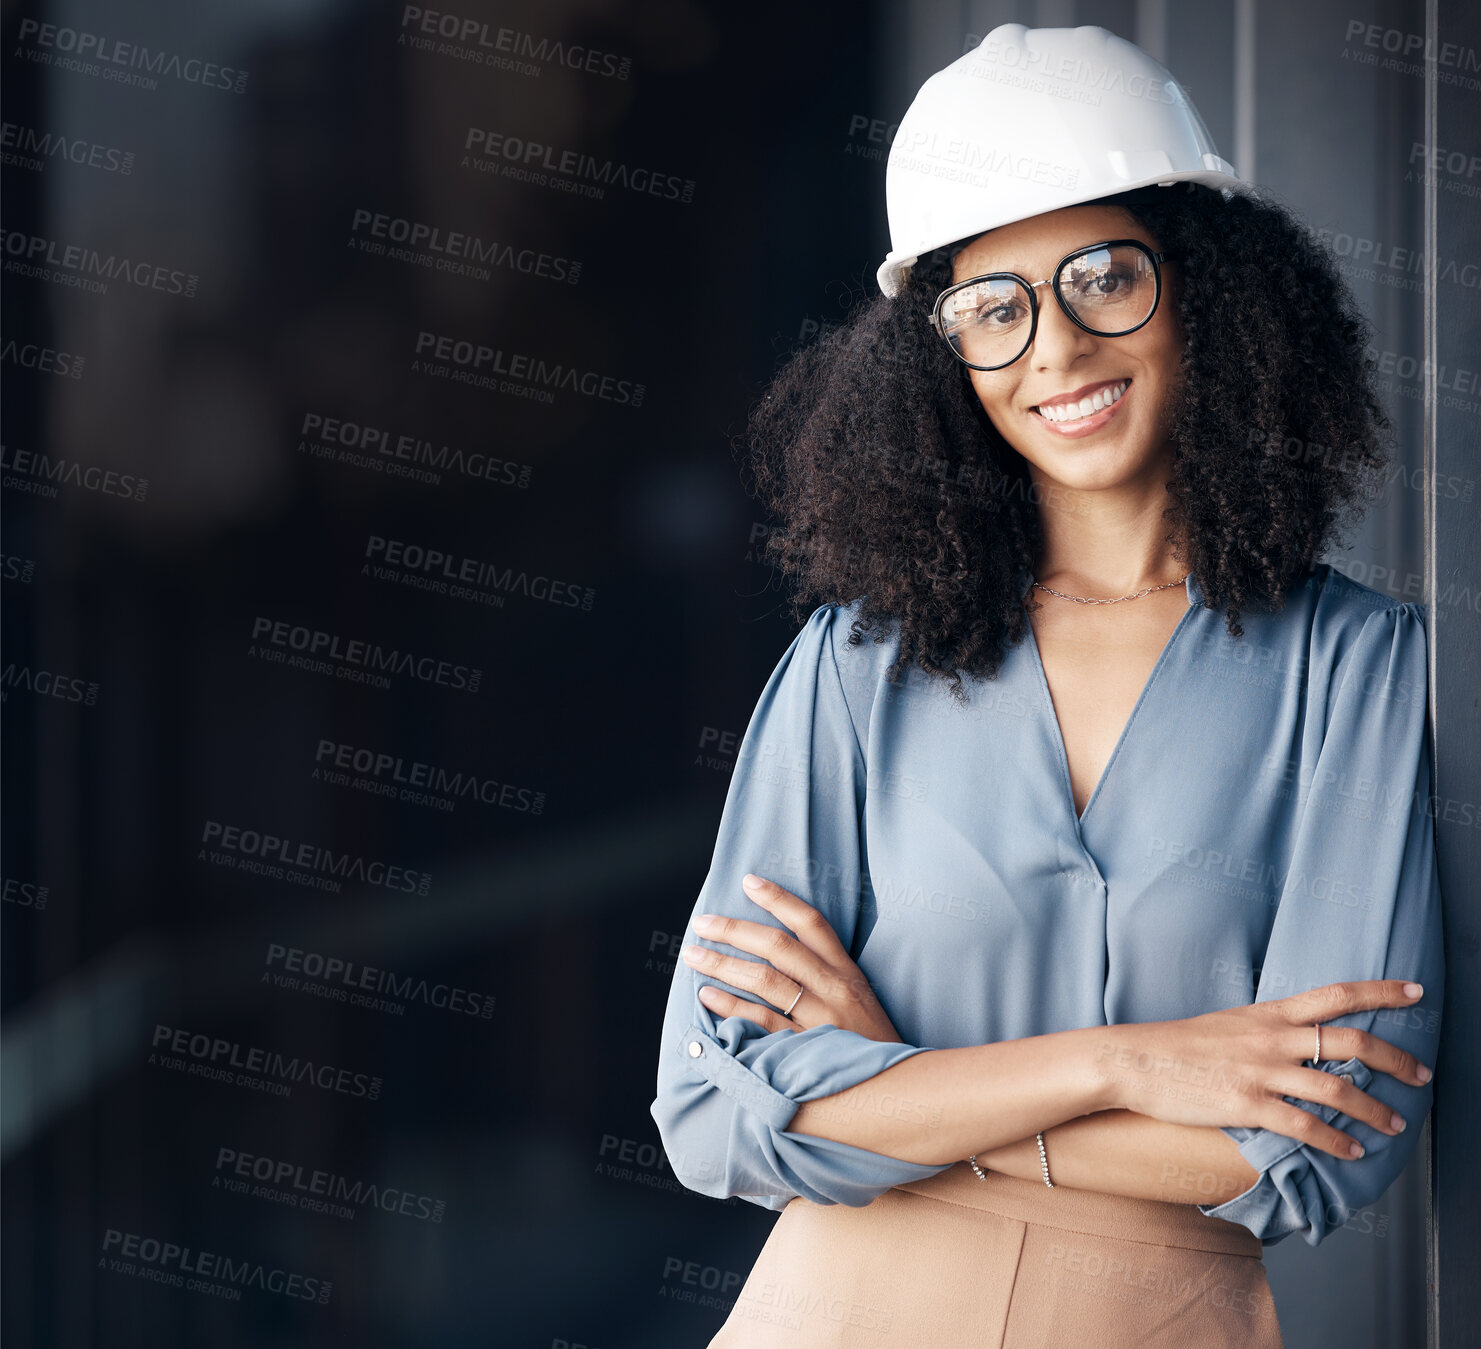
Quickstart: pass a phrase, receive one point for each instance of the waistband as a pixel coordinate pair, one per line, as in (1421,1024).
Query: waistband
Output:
(1086,1211)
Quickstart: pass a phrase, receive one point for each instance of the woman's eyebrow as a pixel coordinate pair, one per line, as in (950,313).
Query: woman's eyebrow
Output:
(985,269)
(1010,264)
(993,265)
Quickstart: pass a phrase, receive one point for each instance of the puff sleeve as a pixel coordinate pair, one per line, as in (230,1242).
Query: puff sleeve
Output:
(1360,900)
(727,1089)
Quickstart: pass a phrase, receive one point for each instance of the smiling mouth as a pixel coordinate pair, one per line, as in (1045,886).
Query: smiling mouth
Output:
(1070,414)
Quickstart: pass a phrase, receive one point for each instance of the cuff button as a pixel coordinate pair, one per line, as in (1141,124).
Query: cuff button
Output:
(695,1049)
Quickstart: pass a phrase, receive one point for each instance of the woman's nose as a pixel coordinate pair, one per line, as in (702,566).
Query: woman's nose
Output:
(1058,340)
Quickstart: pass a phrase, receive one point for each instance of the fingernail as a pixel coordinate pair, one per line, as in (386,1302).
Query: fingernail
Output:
(1398,1122)
(693,954)
(751,882)
(706,995)
(1414,990)
(1355,1150)
(1423,1073)
(703,922)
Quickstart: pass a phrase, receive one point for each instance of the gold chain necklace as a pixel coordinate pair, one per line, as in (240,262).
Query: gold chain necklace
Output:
(1081,599)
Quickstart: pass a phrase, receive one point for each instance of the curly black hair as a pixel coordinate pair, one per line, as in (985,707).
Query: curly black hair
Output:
(891,485)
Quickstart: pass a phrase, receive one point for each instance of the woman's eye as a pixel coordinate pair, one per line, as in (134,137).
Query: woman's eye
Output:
(1101,284)
(998,314)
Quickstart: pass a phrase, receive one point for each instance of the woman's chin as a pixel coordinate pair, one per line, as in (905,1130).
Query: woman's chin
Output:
(1089,468)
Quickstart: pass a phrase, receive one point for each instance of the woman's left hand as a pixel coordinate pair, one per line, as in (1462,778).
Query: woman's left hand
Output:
(808,956)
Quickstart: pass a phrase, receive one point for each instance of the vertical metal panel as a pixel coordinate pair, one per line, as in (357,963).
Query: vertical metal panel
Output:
(1054,14)
(1432,1229)
(1453,582)
(1244,89)
(1151,28)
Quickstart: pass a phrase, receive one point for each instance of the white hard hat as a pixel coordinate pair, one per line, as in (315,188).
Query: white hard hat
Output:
(1030,120)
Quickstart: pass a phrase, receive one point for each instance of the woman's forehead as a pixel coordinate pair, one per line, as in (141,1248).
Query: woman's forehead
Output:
(1042,240)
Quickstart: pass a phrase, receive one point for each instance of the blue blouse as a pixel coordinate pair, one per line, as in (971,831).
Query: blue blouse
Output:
(1263,827)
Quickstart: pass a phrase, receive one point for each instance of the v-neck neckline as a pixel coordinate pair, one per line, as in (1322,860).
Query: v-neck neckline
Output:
(1195,595)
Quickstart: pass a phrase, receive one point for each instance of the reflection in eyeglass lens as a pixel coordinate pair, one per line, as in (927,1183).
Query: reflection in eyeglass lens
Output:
(1110,290)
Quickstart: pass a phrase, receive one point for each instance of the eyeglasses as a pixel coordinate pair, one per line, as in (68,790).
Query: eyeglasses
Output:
(1110,289)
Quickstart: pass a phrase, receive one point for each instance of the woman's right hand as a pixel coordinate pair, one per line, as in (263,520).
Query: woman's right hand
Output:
(1232,1068)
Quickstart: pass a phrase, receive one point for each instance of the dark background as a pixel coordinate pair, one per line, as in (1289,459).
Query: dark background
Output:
(560,1223)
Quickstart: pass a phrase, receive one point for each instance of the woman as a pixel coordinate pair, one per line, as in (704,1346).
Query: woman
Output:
(1097,940)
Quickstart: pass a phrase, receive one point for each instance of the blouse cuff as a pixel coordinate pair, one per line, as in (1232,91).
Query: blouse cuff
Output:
(1287,1197)
(767,1079)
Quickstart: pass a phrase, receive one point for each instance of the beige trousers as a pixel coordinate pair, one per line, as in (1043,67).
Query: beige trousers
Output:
(962,1263)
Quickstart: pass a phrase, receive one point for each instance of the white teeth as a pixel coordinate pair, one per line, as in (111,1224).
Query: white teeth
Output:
(1097,402)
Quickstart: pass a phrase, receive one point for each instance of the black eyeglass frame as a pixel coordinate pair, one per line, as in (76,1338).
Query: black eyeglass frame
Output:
(1052,281)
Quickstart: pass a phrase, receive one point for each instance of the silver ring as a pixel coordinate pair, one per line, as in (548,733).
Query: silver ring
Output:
(795,1001)
(1317,1061)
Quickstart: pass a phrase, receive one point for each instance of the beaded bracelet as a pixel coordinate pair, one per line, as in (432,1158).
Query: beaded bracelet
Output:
(1043,1163)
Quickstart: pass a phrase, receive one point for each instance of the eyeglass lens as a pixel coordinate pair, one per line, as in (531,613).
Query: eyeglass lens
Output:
(1110,290)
